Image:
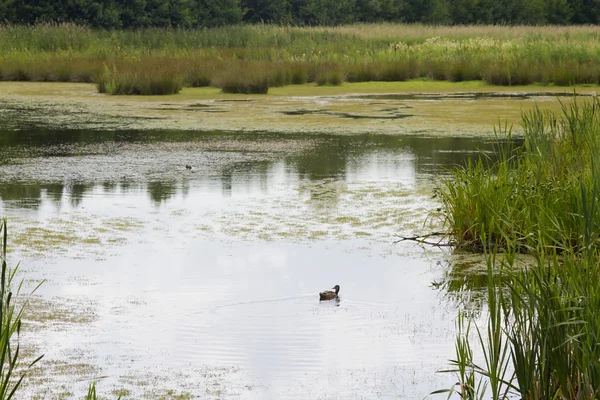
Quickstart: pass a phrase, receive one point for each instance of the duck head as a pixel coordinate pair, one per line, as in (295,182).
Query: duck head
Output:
(336,288)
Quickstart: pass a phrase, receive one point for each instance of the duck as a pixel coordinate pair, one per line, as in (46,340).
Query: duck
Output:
(330,294)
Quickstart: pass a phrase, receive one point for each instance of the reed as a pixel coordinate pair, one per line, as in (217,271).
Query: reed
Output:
(12,372)
(385,52)
(540,340)
(139,79)
(539,190)
(291,55)
(243,78)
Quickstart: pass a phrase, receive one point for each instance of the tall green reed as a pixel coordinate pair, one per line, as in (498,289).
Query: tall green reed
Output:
(385,52)
(539,190)
(542,335)
(139,80)
(541,338)
(12,372)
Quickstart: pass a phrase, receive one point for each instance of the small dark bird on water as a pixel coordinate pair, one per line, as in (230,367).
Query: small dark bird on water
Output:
(187,166)
(330,294)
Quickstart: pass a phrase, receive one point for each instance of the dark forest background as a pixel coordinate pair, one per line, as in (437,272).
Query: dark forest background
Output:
(126,14)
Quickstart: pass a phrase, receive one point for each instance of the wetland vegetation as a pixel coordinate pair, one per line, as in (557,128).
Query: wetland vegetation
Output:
(544,189)
(541,197)
(253,58)
(12,308)
(535,194)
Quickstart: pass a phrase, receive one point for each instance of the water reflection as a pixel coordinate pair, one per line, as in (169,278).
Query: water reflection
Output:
(69,164)
(221,265)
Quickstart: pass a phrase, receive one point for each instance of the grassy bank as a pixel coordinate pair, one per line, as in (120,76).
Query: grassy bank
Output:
(253,58)
(544,190)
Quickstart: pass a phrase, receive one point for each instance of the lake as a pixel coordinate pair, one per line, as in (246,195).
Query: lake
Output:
(168,282)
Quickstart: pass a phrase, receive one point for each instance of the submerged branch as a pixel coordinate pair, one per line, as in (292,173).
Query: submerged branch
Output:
(422,239)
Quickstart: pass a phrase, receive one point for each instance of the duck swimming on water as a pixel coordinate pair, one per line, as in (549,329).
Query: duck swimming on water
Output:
(330,294)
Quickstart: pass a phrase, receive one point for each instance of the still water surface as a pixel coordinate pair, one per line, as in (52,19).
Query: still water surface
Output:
(164,281)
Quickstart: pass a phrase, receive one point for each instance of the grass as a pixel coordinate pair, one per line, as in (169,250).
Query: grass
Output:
(541,335)
(12,372)
(250,59)
(543,190)
(139,79)
(540,340)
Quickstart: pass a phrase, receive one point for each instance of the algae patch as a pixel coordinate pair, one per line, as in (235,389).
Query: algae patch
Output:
(58,313)
(77,235)
(441,109)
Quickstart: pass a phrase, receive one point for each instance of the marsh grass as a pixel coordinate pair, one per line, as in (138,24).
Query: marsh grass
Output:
(541,337)
(542,334)
(139,79)
(243,78)
(12,372)
(543,190)
(294,55)
(91,393)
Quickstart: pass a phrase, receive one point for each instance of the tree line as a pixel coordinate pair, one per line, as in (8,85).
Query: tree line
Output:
(128,14)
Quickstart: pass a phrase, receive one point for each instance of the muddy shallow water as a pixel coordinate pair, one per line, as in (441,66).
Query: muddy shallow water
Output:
(440,108)
(163,281)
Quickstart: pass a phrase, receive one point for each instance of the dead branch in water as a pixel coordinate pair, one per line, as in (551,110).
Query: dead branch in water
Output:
(422,239)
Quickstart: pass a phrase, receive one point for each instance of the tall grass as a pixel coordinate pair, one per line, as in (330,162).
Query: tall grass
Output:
(386,52)
(91,394)
(542,335)
(541,339)
(139,79)
(12,372)
(544,190)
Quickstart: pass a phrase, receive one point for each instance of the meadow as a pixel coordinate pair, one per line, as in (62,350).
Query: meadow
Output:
(252,58)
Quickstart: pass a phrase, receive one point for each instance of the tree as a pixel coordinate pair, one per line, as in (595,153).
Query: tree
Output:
(392,10)
(438,13)
(34,11)
(368,10)
(98,13)
(268,11)
(558,12)
(463,12)
(134,14)
(209,13)
(585,11)
(323,12)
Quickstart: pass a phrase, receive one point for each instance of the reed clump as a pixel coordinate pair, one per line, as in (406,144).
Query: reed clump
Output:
(540,338)
(244,78)
(296,55)
(544,189)
(137,79)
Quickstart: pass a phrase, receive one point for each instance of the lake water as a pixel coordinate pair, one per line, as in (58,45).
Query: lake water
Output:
(163,281)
